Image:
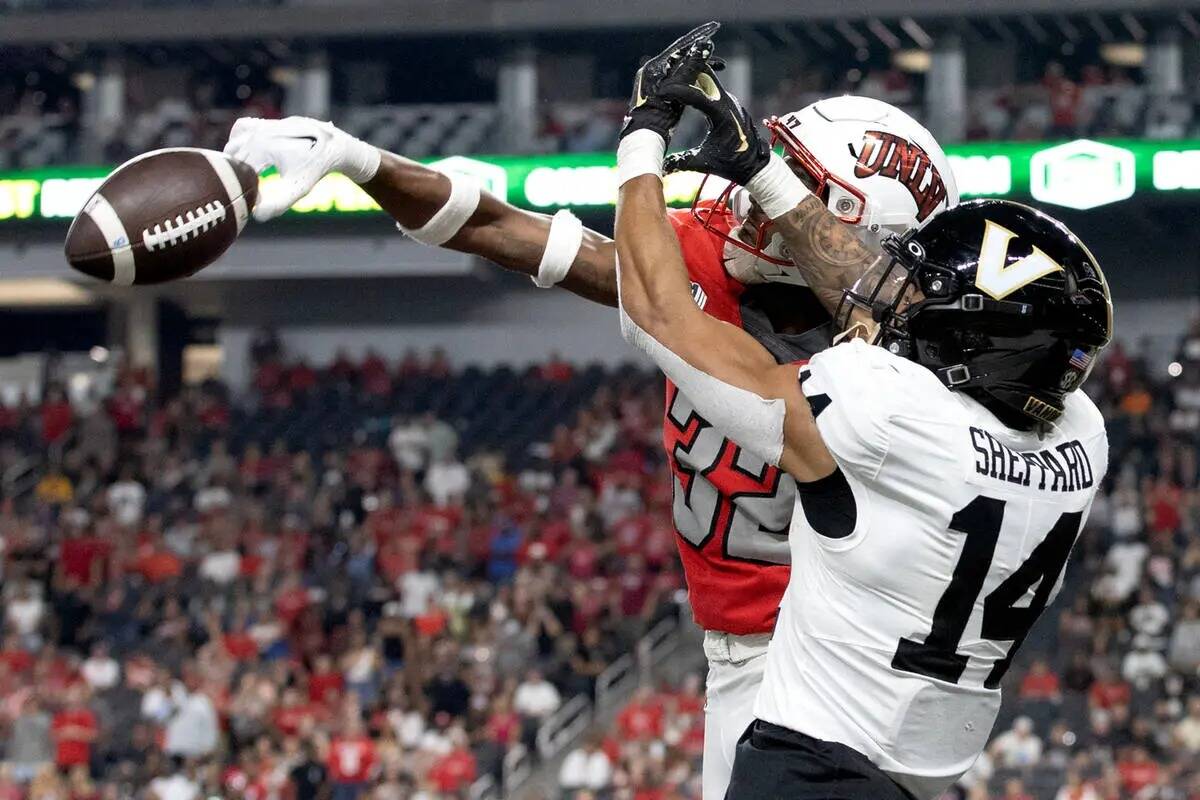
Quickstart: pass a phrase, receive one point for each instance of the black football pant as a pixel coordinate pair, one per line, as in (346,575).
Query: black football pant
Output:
(774,763)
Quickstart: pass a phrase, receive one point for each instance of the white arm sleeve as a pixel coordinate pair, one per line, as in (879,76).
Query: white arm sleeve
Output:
(753,422)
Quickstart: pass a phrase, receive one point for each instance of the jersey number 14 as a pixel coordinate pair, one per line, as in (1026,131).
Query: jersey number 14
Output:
(937,656)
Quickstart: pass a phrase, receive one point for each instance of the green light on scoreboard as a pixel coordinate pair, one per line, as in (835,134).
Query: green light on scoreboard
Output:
(18,198)
(1081,174)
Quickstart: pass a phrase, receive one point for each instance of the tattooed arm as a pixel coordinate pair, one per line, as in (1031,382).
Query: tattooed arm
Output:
(828,253)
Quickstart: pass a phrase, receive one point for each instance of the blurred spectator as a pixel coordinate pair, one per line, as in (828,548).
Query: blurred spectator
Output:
(535,697)
(586,767)
(30,743)
(192,729)
(1075,788)
(409,442)
(352,758)
(127,498)
(1040,683)
(100,670)
(1018,746)
(447,479)
(1183,652)
(178,784)
(75,728)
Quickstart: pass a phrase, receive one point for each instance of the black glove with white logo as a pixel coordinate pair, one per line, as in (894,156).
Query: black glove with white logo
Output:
(648,109)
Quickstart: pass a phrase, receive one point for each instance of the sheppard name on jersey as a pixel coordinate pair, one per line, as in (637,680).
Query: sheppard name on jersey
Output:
(1065,468)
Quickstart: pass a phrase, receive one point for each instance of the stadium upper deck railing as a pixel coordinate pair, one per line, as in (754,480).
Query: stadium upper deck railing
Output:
(48,21)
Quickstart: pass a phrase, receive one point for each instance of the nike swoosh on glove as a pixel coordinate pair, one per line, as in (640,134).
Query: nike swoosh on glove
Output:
(647,109)
(304,151)
(733,148)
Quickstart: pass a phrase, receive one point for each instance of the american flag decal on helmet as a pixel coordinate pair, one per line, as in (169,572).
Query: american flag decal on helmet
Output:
(1080,359)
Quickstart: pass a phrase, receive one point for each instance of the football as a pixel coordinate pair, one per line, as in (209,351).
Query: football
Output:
(162,216)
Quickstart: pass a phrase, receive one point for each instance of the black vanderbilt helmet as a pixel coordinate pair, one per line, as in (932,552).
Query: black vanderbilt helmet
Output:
(1001,301)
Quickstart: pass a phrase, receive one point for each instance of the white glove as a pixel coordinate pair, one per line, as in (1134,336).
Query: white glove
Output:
(304,151)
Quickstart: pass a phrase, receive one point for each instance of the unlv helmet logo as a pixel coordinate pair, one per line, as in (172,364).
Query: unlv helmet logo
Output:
(892,156)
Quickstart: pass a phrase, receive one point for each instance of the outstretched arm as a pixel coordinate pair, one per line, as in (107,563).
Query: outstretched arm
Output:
(501,233)
(553,250)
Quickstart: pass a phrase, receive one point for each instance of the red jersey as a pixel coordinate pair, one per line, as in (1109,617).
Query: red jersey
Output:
(731,510)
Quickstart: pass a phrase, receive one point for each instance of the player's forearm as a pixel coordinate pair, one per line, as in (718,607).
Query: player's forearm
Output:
(825,250)
(510,237)
(731,378)
(654,284)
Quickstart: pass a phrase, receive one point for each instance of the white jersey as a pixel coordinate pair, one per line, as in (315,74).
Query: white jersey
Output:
(893,639)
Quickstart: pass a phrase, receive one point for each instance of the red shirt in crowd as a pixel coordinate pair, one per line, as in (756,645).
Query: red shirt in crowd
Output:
(504,727)
(56,420)
(156,565)
(16,660)
(291,719)
(1040,687)
(302,378)
(320,684)
(454,771)
(1137,773)
(240,646)
(126,411)
(1110,693)
(640,720)
(79,553)
(351,759)
(74,730)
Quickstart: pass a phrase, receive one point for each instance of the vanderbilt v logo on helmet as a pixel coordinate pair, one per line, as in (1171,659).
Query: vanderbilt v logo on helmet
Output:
(999,278)
(1000,301)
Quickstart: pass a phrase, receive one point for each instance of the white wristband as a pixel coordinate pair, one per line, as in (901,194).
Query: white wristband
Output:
(360,161)
(449,219)
(640,153)
(566,237)
(776,188)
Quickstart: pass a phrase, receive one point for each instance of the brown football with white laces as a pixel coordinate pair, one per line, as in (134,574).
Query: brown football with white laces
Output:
(162,216)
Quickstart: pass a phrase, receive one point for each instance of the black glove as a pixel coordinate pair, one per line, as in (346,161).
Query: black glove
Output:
(733,148)
(649,110)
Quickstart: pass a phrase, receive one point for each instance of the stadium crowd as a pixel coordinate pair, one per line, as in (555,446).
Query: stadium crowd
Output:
(189,611)
(183,617)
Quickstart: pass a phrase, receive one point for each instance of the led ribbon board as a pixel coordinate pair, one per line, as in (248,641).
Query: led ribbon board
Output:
(1081,174)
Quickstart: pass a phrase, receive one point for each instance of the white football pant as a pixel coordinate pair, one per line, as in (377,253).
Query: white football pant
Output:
(735,671)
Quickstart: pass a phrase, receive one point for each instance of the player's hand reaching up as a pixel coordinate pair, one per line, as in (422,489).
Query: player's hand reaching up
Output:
(733,148)
(304,151)
(648,108)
